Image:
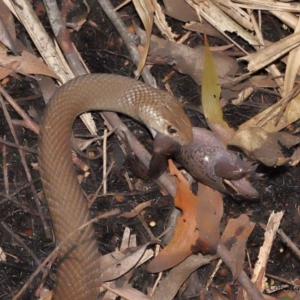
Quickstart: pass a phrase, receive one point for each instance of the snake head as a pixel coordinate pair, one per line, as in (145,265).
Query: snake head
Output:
(171,121)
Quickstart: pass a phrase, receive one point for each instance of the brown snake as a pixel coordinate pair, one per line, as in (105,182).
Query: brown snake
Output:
(78,273)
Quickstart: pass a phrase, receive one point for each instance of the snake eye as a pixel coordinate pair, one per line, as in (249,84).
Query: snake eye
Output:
(171,129)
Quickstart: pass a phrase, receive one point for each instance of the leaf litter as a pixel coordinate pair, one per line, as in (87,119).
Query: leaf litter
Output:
(201,218)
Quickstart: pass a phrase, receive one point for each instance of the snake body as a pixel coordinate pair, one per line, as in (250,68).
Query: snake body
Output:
(78,268)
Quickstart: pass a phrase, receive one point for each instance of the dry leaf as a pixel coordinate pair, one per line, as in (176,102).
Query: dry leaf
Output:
(269,54)
(234,238)
(204,28)
(292,66)
(264,146)
(135,211)
(293,6)
(127,239)
(185,59)
(29,64)
(220,20)
(7,28)
(116,264)
(263,81)
(8,69)
(180,10)
(295,158)
(145,10)
(197,229)
(291,114)
(209,214)
(161,23)
(169,286)
(185,234)
(236,13)
(129,293)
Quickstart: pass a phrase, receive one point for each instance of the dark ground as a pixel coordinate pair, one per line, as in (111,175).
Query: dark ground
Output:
(103,52)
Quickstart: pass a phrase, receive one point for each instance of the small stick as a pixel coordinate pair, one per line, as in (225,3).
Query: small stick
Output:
(27,120)
(26,168)
(211,277)
(282,279)
(27,149)
(6,185)
(289,242)
(286,239)
(17,191)
(104,161)
(128,181)
(20,241)
(96,195)
(243,279)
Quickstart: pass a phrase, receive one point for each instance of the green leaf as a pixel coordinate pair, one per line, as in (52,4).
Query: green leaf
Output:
(211,90)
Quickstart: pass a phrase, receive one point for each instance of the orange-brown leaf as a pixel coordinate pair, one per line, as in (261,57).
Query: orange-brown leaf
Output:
(197,229)
(186,233)
(209,214)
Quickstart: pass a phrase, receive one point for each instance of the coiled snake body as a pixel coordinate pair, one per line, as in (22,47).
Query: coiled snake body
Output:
(78,270)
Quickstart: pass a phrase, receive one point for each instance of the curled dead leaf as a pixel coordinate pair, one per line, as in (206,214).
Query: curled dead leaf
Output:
(29,64)
(197,229)
(264,146)
(114,265)
(185,234)
(136,210)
